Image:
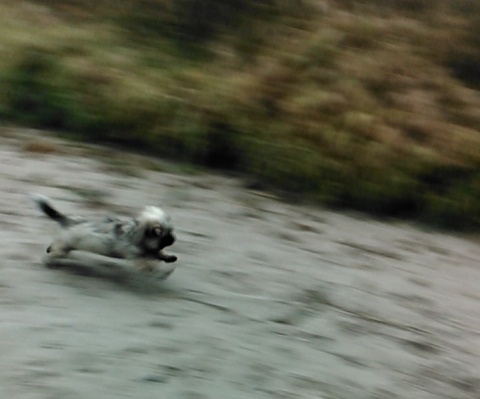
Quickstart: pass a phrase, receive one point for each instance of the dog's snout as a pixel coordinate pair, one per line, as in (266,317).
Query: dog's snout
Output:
(169,240)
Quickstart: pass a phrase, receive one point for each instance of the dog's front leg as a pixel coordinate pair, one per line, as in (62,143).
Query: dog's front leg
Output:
(166,258)
(145,265)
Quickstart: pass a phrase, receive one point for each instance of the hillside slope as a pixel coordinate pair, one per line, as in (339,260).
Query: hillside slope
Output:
(369,104)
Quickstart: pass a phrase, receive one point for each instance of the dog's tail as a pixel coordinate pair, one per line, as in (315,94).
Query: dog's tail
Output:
(44,205)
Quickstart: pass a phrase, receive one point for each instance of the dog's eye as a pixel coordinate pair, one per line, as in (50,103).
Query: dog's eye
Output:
(153,232)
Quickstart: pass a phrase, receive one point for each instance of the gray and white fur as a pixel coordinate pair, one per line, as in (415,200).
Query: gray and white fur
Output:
(141,239)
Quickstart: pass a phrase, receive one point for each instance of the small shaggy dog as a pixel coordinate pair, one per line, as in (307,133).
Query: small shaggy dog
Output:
(140,240)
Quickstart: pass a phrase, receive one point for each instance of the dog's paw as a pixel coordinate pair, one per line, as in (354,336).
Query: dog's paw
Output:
(169,258)
(166,258)
(51,262)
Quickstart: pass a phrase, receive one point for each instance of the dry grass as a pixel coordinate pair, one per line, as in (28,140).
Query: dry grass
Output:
(41,146)
(366,104)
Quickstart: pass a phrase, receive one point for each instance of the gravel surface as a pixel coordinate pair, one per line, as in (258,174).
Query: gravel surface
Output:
(268,300)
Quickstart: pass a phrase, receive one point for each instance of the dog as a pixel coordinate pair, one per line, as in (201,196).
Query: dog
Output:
(140,240)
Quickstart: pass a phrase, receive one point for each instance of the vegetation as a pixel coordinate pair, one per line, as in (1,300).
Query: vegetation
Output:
(366,104)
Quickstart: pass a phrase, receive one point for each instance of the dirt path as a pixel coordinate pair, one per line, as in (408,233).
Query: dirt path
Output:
(268,300)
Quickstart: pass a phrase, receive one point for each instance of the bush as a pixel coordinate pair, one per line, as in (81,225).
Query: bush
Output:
(41,92)
(458,208)
(34,95)
(197,21)
(464,59)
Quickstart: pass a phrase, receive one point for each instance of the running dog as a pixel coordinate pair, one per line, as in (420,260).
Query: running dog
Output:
(141,239)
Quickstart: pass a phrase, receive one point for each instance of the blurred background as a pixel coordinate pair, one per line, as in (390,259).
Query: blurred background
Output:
(366,104)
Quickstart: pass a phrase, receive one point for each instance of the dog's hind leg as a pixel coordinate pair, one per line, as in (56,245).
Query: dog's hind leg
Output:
(91,264)
(55,252)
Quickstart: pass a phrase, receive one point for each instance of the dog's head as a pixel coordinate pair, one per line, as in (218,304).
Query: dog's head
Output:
(157,229)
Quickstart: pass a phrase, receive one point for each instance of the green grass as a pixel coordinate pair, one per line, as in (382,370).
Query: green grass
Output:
(371,105)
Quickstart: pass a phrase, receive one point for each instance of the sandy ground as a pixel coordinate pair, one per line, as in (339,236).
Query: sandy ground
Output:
(268,300)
